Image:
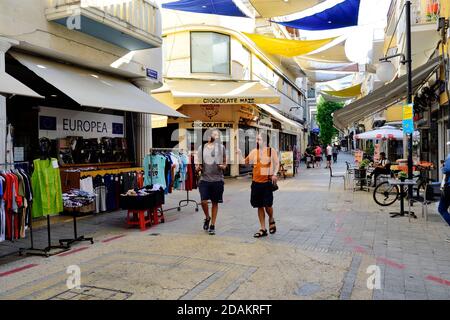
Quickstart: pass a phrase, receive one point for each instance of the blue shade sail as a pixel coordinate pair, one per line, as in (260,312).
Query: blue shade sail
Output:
(342,15)
(219,7)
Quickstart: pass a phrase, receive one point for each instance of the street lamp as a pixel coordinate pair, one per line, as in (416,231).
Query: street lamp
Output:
(386,72)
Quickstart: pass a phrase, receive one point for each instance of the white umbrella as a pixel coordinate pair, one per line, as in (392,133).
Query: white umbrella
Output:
(383,133)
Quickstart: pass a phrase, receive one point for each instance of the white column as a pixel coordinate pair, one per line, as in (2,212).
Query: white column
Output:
(144,137)
(4,46)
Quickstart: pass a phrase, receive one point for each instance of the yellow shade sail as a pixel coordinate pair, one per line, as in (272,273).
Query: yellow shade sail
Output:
(349,92)
(285,47)
(274,8)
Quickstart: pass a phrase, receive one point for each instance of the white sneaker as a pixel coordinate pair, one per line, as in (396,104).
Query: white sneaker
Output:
(448,240)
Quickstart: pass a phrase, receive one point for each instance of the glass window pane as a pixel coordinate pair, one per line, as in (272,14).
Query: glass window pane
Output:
(210,52)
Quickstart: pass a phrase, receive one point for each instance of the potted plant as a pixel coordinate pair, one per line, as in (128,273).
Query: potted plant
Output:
(362,171)
(402,176)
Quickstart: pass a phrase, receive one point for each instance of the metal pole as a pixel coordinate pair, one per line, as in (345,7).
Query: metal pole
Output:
(410,88)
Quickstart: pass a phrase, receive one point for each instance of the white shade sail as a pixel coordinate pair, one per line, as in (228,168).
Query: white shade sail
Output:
(92,89)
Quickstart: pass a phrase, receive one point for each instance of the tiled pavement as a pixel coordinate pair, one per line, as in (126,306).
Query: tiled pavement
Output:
(330,226)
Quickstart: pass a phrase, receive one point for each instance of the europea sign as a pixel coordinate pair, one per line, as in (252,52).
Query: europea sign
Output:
(60,123)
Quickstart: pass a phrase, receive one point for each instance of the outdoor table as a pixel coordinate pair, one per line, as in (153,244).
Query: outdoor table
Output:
(401,184)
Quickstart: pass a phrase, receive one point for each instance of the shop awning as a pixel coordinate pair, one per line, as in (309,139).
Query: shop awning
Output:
(9,85)
(383,97)
(193,91)
(91,89)
(278,116)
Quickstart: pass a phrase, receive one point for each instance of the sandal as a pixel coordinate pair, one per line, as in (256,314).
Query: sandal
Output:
(272,227)
(261,233)
(206,224)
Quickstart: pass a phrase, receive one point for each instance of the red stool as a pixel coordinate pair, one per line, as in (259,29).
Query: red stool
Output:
(139,219)
(156,219)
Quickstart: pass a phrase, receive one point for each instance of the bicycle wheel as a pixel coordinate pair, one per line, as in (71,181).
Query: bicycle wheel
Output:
(385,194)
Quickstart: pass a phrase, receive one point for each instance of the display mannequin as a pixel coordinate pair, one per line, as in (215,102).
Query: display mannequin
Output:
(44,148)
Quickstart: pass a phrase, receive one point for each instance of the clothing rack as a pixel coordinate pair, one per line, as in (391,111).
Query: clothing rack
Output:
(185,202)
(32,250)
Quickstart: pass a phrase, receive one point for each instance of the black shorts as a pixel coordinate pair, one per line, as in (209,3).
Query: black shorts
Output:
(262,195)
(328,158)
(211,191)
(318,159)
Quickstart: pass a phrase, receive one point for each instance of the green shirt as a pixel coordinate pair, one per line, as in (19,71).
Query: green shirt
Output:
(46,184)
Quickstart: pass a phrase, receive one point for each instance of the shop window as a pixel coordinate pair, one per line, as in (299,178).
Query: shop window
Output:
(210,52)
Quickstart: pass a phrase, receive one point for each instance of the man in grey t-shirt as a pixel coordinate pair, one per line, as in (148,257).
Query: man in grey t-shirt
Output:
(211,161)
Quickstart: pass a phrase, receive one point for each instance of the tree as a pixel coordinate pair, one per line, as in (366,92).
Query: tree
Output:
(325,109)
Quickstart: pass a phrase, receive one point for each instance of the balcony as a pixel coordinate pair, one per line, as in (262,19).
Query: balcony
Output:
(425,11)
(129,24)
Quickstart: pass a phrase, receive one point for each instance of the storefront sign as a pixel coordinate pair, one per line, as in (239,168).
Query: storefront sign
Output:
(358,156)
(219,125)
(228,100)
(60,123)
(287,161)
(408,122)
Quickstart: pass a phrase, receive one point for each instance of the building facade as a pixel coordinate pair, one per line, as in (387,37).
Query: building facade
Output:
(217,77)
(83,60)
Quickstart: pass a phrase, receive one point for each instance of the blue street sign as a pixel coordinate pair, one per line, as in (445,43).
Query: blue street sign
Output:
(152,74)
(408,126)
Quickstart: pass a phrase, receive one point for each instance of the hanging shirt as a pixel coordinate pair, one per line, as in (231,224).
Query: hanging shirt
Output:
(2,212)
(46,185)
(155,166)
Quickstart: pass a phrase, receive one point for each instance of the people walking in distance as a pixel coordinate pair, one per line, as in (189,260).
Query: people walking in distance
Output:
(318,154)
(211,162)
(309,157)
(329,154)
(335,153)
(265,169)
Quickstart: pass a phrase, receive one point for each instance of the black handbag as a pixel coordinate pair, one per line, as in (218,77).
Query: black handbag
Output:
(274,186)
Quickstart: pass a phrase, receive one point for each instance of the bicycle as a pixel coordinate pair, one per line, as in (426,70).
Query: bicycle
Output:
(385,194)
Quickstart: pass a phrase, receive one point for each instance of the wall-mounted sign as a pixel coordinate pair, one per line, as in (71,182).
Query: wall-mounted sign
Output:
(228,100)
(60,123)
(218,125)
(152,74)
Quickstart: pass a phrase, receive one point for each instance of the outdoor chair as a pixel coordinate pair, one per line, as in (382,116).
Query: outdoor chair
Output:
(432,195)
(349,173)
(339,176)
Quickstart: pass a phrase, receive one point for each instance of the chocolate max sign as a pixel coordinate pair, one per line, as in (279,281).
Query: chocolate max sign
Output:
(229,100)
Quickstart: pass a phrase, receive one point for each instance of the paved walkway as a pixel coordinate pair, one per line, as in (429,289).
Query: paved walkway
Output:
(326,241)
